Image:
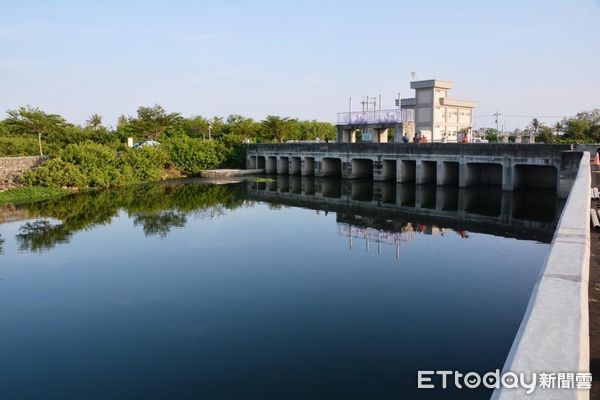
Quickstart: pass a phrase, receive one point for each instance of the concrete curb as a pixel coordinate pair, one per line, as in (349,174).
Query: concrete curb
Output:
(229,173)
(554,334)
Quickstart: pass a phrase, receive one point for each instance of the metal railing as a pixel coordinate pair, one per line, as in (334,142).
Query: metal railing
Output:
(375,117)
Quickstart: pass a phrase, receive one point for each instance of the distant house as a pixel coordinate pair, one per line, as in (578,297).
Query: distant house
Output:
(437,116)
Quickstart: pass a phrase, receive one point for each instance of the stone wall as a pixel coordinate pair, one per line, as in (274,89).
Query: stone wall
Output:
(13,168)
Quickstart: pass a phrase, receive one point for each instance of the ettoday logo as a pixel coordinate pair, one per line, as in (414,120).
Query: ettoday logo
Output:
(508,380)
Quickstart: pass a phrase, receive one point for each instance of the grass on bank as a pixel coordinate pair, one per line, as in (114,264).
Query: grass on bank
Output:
(31,194)
(261,180)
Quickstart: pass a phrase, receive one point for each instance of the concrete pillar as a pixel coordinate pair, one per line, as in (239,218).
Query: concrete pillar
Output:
(295,166)
(283,165)
(260,162)
(425,196)
(349,136)
(464,177)
(508,176)
(380,135)
(362,168)
(346,169)
(377,173)
(405,195)
(331,188)
(446,198)
(295,184)
(389,170)
(251,162)
(506,208)
(405,171)
(362,190)
(271,165)
(384,170)
(308,185)
(426,172)
(308,166)
(283,184)
(447,173)
(328,166)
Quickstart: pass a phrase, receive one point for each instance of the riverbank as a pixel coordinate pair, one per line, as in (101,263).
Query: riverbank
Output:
(30,194)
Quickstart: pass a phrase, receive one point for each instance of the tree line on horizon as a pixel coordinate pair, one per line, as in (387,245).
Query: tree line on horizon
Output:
(30,131)
(584,127)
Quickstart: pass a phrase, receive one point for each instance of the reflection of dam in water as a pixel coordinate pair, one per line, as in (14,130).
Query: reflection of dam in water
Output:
(388,206)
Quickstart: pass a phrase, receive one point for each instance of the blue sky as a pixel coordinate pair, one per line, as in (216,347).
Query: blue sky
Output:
(300,59)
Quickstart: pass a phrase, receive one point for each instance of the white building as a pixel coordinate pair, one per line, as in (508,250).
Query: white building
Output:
(437,116)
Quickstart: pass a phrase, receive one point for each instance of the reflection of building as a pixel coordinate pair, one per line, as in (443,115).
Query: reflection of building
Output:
(384,236)
(437,116)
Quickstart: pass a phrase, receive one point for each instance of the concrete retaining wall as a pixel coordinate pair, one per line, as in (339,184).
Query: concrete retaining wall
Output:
(554,334)
(13,168)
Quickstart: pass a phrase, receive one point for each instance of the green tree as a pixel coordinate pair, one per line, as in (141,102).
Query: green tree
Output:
(122,121)
(31,120)
(95,122)
(558,127)
(584,127)
(152,122)
(545,134)
(215,127)
(245,128)
(310,130)
(196,127)
(535,125)
(277,128)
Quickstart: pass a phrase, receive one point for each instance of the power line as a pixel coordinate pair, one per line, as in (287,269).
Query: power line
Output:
(522,116)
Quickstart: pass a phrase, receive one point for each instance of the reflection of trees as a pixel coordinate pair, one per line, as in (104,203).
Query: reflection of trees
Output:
(41,235)
(160,223)
(156,208)
(1,244)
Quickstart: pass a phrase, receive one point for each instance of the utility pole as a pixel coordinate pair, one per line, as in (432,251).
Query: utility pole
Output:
(350,110)
(497,114)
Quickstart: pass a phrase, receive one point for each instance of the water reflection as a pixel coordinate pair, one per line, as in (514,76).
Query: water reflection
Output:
(526,215)
(366,209)
(271,302)
(157,209)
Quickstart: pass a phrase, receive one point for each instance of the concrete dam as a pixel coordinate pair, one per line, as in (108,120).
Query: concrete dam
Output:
(512,166)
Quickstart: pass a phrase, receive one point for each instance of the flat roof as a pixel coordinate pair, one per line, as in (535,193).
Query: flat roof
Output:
(430,83)
(445,101)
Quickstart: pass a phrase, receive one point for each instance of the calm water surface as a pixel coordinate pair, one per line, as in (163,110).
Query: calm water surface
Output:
(294,289)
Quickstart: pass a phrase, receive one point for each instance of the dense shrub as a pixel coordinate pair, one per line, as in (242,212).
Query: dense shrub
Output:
(192,156)
(97,162)
(234,151)
(92,165)
(56,173)
(145,163)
